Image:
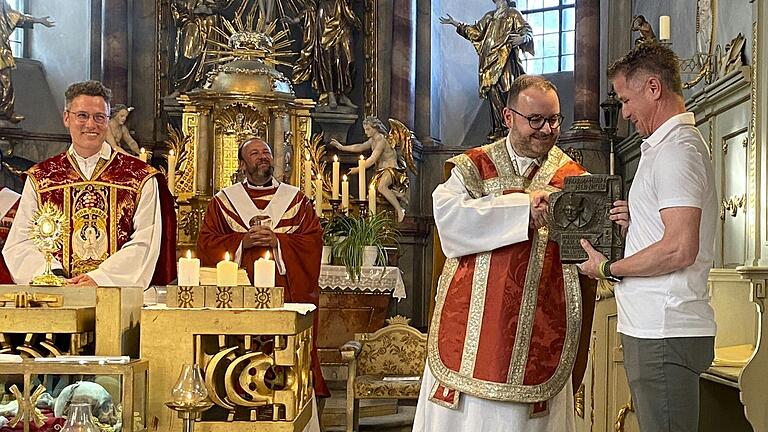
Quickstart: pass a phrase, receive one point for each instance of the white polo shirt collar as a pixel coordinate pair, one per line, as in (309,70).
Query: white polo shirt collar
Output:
(658,136)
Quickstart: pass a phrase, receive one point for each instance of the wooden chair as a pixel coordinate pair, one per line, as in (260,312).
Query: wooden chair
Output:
(379,364)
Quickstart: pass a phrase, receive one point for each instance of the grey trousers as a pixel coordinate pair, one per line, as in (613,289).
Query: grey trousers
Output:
(663,377)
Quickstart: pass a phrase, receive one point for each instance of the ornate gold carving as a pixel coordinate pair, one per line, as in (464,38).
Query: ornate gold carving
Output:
(622,416)
(181,145)
(732,205)
(752,150)
(23,299)
(27,412)
(371,58)
(232,126)
(315,149)
(398,320)
(578,401)
(47,232)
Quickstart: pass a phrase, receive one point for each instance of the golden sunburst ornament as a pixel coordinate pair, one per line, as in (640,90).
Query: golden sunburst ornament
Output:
(249,40)
(46,233)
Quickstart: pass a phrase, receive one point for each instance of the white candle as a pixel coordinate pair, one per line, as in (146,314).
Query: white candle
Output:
(372,200)
(189,270)
(143,155)
(226,272)
(308,177)
(319,197)
(664,27)
(344,193)
(361,179)
(172,172)
(335,177)
(264,272)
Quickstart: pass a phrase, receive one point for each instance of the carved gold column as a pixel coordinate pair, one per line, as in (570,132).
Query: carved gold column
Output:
(115,52)
(278,141)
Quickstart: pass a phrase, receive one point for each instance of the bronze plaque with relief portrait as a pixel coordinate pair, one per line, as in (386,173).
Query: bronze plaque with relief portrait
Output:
(580,211)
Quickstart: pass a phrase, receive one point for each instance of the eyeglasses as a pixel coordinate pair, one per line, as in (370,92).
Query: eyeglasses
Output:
(82,117)
(536,121)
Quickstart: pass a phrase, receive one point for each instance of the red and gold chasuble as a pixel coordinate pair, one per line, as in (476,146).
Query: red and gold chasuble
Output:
(98,212)
(506,323)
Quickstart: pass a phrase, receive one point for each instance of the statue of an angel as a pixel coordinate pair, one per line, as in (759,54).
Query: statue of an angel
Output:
(392,154)
(118,132)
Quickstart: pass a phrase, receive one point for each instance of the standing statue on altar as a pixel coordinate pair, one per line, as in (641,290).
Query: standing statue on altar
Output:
(392,154)
(118,210)
(195,23)
(11,19)
(262,215)
(498,38)
(326,56)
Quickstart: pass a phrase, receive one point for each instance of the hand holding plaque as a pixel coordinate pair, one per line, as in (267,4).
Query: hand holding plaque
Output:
(46,233)
(582,210)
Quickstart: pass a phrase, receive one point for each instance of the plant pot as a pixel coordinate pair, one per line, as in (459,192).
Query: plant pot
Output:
(326,258)
(370,253)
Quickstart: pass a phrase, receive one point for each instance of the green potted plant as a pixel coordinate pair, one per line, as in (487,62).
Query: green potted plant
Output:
(333,233)
(374,232)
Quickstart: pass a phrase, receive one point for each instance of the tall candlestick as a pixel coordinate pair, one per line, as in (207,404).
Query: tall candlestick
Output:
(361,185)
(172,172)
(308,177)
(344,193)
(226,272)
(189,270)
(264,272)
(318,197)
(143,155)
(335,178)
(372,200)
(664,27)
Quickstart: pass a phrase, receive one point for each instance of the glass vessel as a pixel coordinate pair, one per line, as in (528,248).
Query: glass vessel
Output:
(190,388)
(80,419)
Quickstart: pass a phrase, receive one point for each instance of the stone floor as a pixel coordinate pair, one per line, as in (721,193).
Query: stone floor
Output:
(400,422)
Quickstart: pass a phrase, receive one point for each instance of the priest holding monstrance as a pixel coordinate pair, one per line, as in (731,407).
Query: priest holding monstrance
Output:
(262,217)
(120,227)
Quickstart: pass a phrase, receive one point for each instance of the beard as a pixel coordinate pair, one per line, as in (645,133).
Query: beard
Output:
(534,145)
(256,173)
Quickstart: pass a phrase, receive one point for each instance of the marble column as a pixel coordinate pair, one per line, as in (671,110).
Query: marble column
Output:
(115,49)
(403,85)
(585,141)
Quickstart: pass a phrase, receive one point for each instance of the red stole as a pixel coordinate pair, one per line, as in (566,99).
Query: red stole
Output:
(5,226)
(301,244)
(99,212)
(507,322)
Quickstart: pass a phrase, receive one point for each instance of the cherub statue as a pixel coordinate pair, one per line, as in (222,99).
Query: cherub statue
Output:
(639,24)
(392,153)
(118,132)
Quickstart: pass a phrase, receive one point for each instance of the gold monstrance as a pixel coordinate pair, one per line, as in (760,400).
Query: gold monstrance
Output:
(46,234)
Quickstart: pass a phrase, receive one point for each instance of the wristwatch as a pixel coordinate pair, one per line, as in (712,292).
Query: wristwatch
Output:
(610,276)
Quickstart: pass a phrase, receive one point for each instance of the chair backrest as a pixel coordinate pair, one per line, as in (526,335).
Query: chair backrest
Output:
(395,350)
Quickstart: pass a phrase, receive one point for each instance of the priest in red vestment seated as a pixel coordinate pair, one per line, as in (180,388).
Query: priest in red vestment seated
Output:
(120,225)
(9,202)
(263,215)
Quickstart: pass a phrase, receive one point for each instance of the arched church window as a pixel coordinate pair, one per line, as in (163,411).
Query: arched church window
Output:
(17,37)
(554,29)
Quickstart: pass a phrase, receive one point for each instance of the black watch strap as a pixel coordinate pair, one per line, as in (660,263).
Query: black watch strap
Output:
(610,276)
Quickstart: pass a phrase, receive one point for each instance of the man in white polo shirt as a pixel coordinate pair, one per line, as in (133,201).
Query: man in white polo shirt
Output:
(666,323)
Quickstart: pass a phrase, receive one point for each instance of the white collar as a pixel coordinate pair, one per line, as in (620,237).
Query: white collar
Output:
(104,153)
(273,183)
(686,118)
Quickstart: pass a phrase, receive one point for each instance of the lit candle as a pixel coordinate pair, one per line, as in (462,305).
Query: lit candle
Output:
(226,272)
(319,197)
(361,179)
(264,272)
(335,178)
(344,193)
(307,177)
(664,27)
(372,200)
(143,155)
(189,270)
(172,172)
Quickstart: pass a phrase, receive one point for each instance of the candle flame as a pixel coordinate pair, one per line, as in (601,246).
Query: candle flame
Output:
(335,158)
(307,156)
(344,177)
(189,254)
(142,150)
(266,255)
(362,157)
(226,256)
